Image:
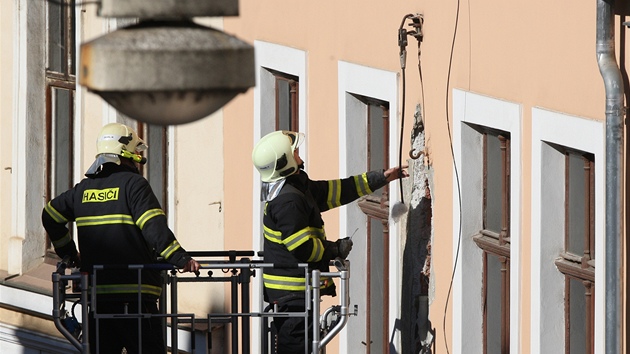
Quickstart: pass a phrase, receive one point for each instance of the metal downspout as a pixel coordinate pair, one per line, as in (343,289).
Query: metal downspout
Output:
(614,173)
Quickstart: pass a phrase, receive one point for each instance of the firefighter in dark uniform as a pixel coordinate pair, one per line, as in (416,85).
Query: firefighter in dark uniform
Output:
(294,230)
(119,222)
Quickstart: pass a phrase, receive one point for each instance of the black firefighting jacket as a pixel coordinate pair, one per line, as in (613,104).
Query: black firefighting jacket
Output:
(119,222)
(294,230)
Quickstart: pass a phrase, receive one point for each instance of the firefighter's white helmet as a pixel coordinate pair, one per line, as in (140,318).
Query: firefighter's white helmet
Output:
(273,155)
(116,138)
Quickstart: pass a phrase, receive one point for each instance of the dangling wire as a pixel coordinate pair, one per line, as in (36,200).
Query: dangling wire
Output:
(459,193)
(418,22)
(400,208)
(402,44)
(402,129)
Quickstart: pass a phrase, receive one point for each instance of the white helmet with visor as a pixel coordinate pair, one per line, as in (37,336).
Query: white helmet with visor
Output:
(273,155)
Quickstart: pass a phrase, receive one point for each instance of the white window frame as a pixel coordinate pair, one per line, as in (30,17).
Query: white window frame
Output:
(547,289)
(29,106)
(467,316)
(293,62)
(382,85)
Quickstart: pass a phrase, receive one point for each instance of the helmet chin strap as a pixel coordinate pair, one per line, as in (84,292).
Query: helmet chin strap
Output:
(135,157)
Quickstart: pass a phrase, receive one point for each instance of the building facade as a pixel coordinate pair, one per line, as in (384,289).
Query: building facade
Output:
(499,109)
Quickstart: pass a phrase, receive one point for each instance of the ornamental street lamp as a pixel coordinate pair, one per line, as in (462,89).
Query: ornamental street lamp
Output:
(166,69)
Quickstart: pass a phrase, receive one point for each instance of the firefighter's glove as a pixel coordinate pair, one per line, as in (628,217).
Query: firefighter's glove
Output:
(344,246)
(75,261)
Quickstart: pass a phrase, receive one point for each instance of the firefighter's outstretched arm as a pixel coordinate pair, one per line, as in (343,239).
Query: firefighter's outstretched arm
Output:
(395,173)
(334,193)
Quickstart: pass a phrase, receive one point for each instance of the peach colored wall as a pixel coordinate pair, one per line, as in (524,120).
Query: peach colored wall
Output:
(536,53)
(321,29)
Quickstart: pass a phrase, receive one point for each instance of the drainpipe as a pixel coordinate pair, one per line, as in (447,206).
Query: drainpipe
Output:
(614,174)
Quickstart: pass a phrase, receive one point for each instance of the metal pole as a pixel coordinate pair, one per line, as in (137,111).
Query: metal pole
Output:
(315,283)
(344,311)
(245,275)
(162,303)
(234,319)
(174,344)
(85,313)
(264,342)
(56,313)
(613,83)
(139,307)
(94,309)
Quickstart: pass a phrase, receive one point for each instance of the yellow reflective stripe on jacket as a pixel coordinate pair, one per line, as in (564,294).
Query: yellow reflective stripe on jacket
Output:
(62,241)
(284,283)
(147,216)
(334,194)
(291,283)
(318,251)
(128,289)
(174,246)
(55,214)
(363,187)
(271,235)
(294,241)
(104,220)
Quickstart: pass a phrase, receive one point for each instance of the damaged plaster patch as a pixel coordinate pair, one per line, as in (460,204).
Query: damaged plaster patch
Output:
(417,273)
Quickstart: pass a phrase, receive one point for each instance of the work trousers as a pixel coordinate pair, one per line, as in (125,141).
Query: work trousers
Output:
(118,333)
(289,331)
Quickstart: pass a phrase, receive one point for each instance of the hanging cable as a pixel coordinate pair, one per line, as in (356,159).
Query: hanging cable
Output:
(400,208)
(417,23)
(402,44)
(459,194)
